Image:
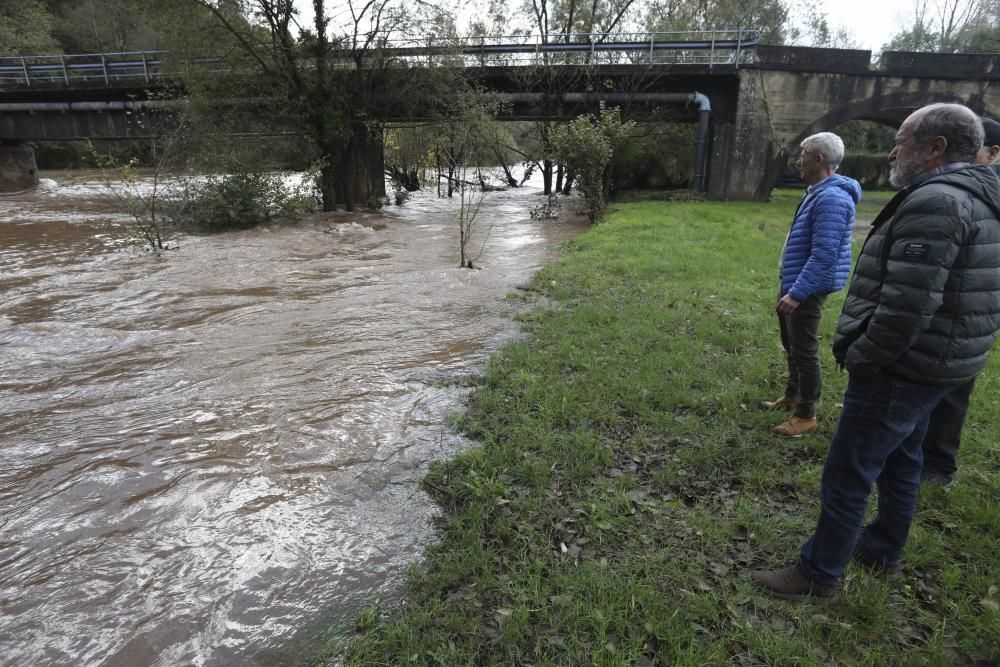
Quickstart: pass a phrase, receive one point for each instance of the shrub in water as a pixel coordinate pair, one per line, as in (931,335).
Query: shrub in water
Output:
(237,201)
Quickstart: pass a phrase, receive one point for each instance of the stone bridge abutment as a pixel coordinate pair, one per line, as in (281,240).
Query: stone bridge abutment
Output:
(794,92)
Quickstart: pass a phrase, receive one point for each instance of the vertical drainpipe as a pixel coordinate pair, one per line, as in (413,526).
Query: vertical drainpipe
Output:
(701,142)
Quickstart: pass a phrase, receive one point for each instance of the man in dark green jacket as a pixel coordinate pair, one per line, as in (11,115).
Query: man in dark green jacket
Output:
(921,315)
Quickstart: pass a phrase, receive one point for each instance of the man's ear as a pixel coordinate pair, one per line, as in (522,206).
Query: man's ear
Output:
(937,146)
(994,154)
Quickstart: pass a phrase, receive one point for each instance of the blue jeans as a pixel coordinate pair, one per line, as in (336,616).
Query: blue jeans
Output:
(944,432)
(878,439)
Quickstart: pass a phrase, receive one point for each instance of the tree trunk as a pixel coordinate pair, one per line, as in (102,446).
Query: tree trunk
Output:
(328,180)
(568,185)
(559,178)
(547,176)
(511,181)
(361,176)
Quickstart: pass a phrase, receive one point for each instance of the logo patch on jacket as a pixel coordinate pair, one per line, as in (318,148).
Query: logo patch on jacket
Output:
(916,250)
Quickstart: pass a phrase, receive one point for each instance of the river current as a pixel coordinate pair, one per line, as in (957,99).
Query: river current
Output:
(212,455)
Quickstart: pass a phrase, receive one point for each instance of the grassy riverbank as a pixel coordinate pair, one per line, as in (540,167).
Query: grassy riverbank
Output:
(626,482)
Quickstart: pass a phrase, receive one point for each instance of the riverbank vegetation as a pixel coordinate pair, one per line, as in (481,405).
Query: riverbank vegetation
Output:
(624,482)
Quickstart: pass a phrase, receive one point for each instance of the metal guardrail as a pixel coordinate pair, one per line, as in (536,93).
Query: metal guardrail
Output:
(718,47)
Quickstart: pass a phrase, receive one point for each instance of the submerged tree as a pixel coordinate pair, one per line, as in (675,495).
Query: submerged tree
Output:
(334,83)
(460,142)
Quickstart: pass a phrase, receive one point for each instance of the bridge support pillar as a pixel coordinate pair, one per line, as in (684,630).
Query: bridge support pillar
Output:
(745,159)
(18,170)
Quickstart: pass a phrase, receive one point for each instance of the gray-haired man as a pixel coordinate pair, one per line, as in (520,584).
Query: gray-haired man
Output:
(815,261)
(920,317)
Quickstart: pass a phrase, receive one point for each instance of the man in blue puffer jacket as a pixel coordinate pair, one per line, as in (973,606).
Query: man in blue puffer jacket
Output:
(815,261)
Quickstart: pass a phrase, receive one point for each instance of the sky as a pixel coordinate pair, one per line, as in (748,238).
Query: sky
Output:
(871,22)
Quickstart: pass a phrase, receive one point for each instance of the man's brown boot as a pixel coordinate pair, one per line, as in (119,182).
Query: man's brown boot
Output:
(783,403)
(795,427)
(791,583)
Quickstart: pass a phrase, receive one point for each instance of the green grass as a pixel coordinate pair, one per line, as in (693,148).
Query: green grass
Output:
(625,482)
(871,202)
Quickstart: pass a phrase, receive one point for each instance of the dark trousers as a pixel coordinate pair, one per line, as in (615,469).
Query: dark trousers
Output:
(944,431)
(878,439)
(800,338)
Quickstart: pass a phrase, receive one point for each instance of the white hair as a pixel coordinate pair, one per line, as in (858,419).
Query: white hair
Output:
(827,144)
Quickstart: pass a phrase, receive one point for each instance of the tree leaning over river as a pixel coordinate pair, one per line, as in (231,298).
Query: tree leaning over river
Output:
(334,83)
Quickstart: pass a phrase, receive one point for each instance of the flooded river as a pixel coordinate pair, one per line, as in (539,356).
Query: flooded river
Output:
(210,456)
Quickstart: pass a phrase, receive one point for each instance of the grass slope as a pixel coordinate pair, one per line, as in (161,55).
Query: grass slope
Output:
(625,481)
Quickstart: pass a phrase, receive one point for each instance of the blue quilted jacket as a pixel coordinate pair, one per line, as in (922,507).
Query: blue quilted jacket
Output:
(817,254)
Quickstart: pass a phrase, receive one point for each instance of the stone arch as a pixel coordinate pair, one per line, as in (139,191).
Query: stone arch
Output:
(893,108)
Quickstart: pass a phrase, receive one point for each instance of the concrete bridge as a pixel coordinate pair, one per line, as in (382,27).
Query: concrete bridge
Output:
(755,103)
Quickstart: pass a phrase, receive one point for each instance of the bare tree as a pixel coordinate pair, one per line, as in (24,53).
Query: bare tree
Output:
(951,26)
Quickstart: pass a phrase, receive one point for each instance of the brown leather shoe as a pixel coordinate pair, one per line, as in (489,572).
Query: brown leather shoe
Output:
(783,403)
(791,583)
(795,427)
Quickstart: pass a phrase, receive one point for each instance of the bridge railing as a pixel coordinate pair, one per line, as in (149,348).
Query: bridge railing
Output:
(70,69)
(711,48)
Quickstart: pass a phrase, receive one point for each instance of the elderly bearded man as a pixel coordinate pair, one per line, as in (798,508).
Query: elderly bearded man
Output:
(921,314)
(815,261)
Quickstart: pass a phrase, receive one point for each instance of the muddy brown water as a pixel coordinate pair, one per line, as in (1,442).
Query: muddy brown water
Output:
(211,456)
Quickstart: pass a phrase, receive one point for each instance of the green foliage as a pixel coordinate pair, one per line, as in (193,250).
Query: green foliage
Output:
(239,200)
(871,171)
(26,29)
(98,26)
(624,482)
(771,17)
(656,156)
(867,137)
(951,26)
(586,146)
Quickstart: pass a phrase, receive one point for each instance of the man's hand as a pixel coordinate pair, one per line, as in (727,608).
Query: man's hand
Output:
(787,305)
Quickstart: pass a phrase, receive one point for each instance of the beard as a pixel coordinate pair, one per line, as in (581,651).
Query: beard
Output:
(902,174)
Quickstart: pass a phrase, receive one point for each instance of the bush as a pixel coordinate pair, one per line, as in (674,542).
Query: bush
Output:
(237,201)
(661,157)
(586,146)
